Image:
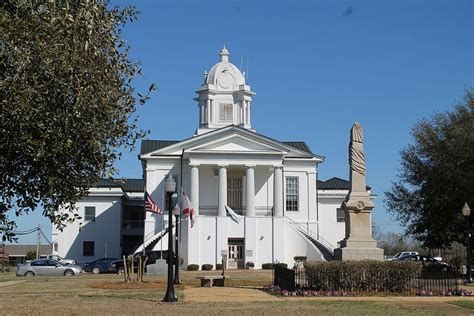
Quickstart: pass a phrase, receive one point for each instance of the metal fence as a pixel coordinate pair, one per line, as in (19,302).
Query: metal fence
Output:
(435,284)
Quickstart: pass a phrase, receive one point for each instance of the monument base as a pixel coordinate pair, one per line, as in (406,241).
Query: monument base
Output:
(358,254)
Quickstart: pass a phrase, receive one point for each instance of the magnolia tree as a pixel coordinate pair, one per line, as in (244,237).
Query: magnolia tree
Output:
(437,177)
(67,103)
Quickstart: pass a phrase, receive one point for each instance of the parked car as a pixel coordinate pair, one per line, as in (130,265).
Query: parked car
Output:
(101,265)
(47,267)
(117,266)
(402,254)
(62,260)
(430,264)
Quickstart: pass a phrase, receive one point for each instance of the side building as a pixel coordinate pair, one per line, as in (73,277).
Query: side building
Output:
(112,222)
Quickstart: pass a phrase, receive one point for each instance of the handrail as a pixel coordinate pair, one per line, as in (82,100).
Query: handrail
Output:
(306,230)
(153,236)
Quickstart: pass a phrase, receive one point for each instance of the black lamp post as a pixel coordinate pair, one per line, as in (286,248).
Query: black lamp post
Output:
(176,213)
(170,186)
(466,211)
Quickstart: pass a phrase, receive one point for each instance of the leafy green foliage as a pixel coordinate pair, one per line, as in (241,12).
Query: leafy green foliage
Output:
(67,105)
(437,177)
(368,275)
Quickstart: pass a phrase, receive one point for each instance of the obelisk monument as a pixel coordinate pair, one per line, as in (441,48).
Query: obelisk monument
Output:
(358,243)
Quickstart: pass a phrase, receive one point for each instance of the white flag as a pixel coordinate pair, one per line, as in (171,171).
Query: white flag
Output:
(235,217)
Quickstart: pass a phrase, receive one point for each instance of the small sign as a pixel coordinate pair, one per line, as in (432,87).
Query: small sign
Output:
(223,253)
(249,253)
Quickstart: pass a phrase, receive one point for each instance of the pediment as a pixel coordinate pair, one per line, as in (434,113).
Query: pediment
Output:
(237,144)
(230,139)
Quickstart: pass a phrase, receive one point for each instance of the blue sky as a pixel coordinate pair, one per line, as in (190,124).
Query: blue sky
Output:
(316,66)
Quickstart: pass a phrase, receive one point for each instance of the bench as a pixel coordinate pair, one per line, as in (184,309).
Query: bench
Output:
(210,281)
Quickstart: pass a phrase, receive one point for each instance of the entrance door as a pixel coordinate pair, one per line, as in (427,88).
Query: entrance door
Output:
(236,253)
(234,194)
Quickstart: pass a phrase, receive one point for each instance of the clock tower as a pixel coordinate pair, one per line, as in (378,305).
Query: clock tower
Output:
(224,98)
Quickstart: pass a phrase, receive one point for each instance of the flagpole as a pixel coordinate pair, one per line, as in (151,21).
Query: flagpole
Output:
(178,223)
(144,222)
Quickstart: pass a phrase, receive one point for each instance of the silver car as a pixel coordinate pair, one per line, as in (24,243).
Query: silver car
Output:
(47,267)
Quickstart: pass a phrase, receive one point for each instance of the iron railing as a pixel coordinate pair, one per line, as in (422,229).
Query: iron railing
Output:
(377,283)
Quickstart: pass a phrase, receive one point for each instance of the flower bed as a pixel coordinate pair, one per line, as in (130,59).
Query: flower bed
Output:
(277,291)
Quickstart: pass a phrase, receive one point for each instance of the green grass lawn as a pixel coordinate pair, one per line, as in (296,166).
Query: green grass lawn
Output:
(86,295)
(466,304)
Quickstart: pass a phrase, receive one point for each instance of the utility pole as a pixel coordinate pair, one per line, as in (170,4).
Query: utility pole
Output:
(38,241)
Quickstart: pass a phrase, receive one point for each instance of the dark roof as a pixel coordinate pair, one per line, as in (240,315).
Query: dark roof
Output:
(152,145)
(128,185)
(299,145)
(334,183)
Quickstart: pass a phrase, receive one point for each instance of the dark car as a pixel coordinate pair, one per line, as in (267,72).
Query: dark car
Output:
(430,264)
(101,265)
(117,266)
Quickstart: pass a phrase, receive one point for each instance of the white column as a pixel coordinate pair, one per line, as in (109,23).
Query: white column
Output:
(250,211)
(208,111)
(222,189)
(277,191)
(249,111)
(195,187)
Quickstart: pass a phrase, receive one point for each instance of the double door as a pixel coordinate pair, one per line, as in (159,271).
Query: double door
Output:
(236,253)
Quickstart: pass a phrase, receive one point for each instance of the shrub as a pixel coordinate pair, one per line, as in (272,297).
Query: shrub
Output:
(300,258)
(269,265)
(193,267)
(219,266)
(250,264)
(207,267)
(368,275)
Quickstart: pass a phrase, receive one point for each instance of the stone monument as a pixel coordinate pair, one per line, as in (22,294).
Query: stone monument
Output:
(358,243)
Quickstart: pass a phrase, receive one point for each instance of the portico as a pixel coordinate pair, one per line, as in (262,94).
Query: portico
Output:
(238,190)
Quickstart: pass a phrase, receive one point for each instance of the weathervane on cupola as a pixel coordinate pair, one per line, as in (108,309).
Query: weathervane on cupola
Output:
(224,98)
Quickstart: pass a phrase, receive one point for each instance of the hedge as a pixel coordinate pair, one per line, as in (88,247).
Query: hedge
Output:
(193,267)
(219,266)
(207,267)
(269,265)
(300,258)
(368,275)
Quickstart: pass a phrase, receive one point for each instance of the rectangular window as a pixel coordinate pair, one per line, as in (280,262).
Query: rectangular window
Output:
(225,112)
(341,217)
(55,247)
(88,248)
(89,214)
(292,195)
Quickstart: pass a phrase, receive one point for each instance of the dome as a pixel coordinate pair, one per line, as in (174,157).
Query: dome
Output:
(225,74)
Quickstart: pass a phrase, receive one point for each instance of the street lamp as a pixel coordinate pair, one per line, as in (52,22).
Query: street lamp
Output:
(176,213)
(170,186)
(466,211)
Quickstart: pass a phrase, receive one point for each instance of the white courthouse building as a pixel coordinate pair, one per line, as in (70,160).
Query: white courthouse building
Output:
(273,184)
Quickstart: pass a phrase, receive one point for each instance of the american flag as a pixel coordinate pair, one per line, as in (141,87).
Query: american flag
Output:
(150,205)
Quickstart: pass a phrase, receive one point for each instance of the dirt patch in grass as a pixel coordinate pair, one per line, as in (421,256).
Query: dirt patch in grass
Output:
(127,286)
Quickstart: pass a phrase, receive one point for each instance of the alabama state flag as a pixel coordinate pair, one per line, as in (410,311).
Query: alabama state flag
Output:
(188,209)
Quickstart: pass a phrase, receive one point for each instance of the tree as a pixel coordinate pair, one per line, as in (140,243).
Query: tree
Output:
(30,255)
(437,177)
(67,103)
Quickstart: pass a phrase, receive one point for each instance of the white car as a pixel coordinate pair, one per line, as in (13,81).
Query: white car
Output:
(61,260)
(401,254)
